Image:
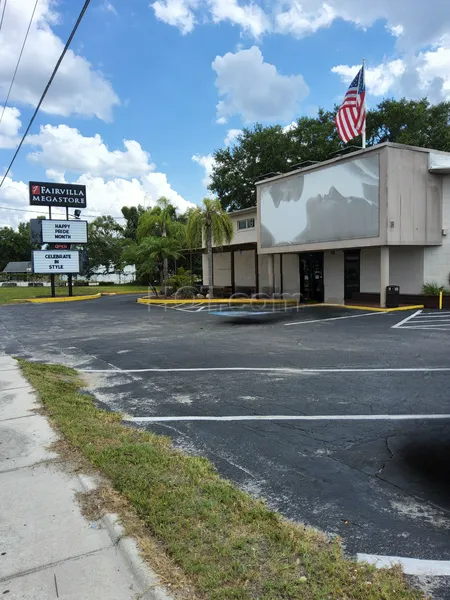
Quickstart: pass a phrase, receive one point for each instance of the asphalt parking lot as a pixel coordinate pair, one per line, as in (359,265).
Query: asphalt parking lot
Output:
(339,419)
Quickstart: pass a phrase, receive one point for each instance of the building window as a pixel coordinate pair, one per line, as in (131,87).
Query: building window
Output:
(246,224)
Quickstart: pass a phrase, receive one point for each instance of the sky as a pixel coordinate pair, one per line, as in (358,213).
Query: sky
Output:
(149,90)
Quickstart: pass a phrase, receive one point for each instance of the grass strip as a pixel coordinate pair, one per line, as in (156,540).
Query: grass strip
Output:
(14,294)
(228,544)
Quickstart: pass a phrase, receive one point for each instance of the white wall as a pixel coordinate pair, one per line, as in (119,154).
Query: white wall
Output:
(291,274)
(242,236)
(244,268)
(437,260)
(370,270)
(333,276)
(263,260)
(222,269)
(406,267)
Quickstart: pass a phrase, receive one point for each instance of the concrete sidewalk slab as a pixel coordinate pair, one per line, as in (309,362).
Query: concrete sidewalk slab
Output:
(12,379)
(6,364)
(47,548)
(44,531)
(24,442)
(14,406)
(99,575)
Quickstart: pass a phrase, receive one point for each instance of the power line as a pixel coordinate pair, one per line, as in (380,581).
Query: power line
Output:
(3,14)
(20,58)
(55,70)
(45,211)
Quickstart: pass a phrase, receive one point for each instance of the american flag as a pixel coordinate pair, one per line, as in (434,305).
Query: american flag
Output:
(351,117)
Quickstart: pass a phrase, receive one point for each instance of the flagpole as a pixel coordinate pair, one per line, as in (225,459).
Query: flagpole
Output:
(364,130)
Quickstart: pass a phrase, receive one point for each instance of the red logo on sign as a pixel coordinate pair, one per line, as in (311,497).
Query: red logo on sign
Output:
(35,189)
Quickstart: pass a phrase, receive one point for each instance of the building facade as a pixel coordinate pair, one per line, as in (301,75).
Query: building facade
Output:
(344,229)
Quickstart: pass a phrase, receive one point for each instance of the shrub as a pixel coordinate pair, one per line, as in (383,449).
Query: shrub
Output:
(432,288)
(187,292)
(181,279)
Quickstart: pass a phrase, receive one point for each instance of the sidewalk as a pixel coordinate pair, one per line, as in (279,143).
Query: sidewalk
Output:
(47,548)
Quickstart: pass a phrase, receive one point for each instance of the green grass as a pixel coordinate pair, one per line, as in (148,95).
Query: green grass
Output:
(229,545)
(15,294)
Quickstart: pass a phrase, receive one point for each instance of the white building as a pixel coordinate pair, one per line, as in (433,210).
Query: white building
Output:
(344,229)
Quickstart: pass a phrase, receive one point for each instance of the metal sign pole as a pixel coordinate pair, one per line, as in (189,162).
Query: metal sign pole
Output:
(70,285)
(52,277)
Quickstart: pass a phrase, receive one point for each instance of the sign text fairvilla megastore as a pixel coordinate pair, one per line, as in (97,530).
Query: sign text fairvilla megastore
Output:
(51,194)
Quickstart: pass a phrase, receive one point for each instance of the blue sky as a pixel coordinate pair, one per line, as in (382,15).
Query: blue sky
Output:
(174,77)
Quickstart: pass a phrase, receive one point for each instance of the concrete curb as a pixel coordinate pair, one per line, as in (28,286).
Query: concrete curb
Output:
(62,299)
(145,577)
(216,301)
(271,301)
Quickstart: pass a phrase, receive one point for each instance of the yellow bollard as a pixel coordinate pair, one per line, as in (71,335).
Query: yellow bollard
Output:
(441,294)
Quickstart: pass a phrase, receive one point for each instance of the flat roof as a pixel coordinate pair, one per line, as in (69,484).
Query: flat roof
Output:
(332,161)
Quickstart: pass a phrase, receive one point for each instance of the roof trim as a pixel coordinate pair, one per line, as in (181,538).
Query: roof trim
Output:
(350,155)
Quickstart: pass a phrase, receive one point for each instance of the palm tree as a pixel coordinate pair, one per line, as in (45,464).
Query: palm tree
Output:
(160,221)
(211,222)
(159,250)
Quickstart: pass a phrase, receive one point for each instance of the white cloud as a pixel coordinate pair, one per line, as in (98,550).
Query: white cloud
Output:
(416,25)
(178,13)
(103,197)
(379,79)
(297,21)
(250,17)
(231,136)
(425,74)
(64,148)
(10,127)
(110,8)
(207,162)
(254,89)
(290,127)
(77,89)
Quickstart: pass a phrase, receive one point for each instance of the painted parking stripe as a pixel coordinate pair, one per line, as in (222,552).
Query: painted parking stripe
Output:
(371,314)
(291,370)
(410,566)
(406,320)
(289,418)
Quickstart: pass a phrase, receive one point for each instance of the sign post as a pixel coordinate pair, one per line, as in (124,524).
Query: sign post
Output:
(58,234)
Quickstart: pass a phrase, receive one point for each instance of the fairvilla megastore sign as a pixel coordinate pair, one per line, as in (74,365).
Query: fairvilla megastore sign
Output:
(57,194)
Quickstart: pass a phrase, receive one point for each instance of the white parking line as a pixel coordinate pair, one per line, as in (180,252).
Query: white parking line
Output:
(410,566)
(288,418)
(370,314)
(406,320)
(291,370)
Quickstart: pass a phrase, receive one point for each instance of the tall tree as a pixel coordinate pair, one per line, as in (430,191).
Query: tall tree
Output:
(132,215)
(158,250)
(263,150)
(15,245)
(215,225)
(105,245)
(161,221)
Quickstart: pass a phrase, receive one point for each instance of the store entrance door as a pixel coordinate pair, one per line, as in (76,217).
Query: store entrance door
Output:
(311,277)
(352,273)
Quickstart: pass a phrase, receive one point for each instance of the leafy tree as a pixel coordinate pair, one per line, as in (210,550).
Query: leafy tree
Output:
(212,222)
(161,221)
(15,245)
(105,245)
(413,122)
(132,215)
(158,251)
(262,150)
